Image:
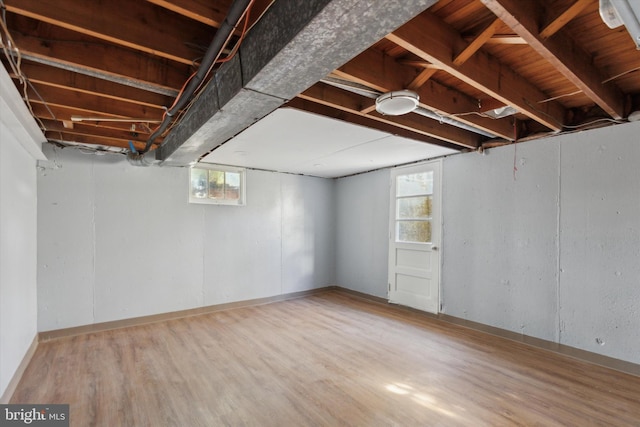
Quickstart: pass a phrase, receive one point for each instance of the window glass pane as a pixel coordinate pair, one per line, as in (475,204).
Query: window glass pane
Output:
(414,207)
(216,184)
(417,183)
(232,185)
(199,183)
(414,231)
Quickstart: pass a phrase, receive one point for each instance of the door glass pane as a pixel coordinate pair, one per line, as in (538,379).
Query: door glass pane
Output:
(232,185)
(414,231)
(412,184)
(414,207)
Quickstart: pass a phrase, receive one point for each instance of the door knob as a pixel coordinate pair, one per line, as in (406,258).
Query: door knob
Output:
(434,248)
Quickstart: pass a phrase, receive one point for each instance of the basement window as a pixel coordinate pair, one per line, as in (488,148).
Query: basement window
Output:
(217,184)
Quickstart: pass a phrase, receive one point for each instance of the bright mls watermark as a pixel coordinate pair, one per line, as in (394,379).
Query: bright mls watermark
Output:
(34,415)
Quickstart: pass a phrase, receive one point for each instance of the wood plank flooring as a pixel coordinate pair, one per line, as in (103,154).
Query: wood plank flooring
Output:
(330,359)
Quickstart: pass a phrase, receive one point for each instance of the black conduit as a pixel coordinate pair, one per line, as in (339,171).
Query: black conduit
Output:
(236,11)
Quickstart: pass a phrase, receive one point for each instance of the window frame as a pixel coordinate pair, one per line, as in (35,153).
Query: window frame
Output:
(397,220)
(241,201)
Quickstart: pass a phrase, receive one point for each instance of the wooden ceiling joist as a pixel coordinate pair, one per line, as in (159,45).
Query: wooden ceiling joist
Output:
(421,78)
(352,103)
(64,114)
(481,70)
(210,13)
(65,79)
(550,60)
(561,51)
(363,120)
(374,69)
(67,137)
(108,62)
(563,18)
(99,106)
(88,130)
(133,24)
(477,42)
(503,39)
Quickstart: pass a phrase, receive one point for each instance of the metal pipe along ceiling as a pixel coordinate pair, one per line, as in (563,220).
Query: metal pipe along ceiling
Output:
(219,41)
(373,94)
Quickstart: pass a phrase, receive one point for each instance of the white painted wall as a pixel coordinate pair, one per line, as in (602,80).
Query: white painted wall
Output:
(500,238)
(599,287)
(117,241)
(553,253)
(18,303)
(19,150)
(362,230)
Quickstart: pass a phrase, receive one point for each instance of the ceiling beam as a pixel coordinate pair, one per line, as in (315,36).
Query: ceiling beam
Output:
(421,78)
(295,44)
(95,58)
(561,51)
(65,79)
(64,114)
(383,73)
(208,12)
(99,106)
(563,18)
(477,42)
(88,130)
(503,39)
(133,24)
(363,120)
(482,71)
(352,103)
(67,137)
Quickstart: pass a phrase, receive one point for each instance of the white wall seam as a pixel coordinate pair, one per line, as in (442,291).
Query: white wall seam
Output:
(93,238)
(204,261)
(282,212)
(559,249)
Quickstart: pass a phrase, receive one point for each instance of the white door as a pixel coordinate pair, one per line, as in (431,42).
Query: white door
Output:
(415,228)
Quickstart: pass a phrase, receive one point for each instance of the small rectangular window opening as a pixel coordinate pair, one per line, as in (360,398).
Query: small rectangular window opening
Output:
(216,184)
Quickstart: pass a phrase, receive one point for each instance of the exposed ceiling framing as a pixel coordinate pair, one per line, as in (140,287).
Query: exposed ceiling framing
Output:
(103,73)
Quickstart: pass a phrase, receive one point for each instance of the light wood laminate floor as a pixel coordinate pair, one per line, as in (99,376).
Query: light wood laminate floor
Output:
(329,359)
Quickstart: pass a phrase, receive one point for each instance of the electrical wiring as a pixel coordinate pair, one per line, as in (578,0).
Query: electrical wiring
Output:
(239,42)
(580,126)
(10,49)
(10,45)
(197,80)
(560,125)
(621,74)
(14,58)
(477,113)
(559,96)
(85,149)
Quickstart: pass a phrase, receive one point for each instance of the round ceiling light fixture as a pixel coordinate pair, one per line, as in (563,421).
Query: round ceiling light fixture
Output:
(397,103)
(634,117)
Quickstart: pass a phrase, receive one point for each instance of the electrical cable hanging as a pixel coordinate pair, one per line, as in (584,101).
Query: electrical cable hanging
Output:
(237,10)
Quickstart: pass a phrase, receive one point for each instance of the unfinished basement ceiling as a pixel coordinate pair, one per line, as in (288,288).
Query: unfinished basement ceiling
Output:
(293,141)
(102,73)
